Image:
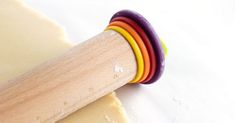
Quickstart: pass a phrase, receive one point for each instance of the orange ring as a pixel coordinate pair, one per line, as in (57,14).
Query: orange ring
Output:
(141,44)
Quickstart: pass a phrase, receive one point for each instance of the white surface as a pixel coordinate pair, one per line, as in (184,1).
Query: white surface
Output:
(198,83)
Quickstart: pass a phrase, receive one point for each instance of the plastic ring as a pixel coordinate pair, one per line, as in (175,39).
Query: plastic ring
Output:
(135,48)
(155,41)
(140,43)
(146,41)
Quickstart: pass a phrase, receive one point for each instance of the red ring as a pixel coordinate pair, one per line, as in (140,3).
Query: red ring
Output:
(146,42)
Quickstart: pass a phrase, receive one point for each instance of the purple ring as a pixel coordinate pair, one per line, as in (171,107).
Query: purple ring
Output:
(154,40)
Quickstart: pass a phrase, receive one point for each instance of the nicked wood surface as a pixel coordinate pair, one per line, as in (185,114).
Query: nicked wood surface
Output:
(66,83)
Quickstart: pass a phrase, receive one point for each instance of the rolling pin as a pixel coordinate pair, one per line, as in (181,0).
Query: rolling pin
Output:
(128,51)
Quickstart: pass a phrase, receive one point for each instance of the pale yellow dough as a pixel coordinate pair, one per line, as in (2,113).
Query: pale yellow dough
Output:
(27,39)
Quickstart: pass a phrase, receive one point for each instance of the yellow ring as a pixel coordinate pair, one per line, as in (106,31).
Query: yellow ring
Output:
(136,49)
(164,47)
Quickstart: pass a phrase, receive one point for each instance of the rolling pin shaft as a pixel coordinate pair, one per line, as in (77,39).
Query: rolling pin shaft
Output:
(62,85)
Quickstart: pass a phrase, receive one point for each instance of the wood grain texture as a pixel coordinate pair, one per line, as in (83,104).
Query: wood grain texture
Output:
(58,87)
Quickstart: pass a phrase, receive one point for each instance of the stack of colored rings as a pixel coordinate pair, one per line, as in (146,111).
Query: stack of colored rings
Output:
(146,45)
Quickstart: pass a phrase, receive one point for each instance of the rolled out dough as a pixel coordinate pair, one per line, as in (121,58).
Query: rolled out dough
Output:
(27,39)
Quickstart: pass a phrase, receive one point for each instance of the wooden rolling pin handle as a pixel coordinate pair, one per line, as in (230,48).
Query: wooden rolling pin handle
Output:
(62,85)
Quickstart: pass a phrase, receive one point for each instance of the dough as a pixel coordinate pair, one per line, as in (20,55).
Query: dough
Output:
(28,39)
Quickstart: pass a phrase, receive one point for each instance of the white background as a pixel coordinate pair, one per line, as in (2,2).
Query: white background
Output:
(198,82)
